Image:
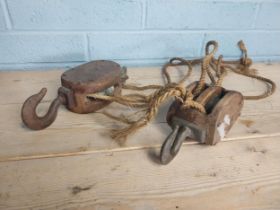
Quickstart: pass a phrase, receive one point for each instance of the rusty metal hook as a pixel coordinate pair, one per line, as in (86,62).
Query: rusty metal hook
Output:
(28,111)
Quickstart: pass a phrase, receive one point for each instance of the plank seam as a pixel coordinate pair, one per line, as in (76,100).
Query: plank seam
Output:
(80,153)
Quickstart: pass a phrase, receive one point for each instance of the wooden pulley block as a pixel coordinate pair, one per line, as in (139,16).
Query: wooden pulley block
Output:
(222,107)
(101,77)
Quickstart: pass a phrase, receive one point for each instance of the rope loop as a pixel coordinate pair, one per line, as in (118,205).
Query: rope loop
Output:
(215,47)
(215,69)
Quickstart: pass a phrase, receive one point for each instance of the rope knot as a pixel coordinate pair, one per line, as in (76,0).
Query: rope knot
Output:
(216,69)
(190,103)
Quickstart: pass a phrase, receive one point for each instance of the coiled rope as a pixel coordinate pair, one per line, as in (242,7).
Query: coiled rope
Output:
(215,69)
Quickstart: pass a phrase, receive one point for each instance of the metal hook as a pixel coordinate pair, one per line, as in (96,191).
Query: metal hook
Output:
(28,111)
(173,143)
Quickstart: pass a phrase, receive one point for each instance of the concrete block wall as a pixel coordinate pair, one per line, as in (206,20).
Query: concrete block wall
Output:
(42,34)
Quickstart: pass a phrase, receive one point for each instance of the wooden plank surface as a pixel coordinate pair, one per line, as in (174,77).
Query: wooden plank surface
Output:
(73,164)
(82,134)
(232,175)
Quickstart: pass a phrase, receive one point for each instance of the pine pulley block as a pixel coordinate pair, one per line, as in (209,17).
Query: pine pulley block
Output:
(102,77)
(222,107)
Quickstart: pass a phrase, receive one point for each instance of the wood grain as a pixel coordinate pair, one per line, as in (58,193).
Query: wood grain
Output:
(231,175)
(74,134)
(73,164)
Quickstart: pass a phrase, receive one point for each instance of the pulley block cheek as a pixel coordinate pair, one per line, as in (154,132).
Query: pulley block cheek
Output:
(222,107)
(99,77)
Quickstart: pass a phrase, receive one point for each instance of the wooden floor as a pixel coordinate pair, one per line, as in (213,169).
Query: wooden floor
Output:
(73,164)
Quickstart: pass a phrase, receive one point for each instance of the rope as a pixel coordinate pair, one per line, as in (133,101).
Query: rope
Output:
(157,99)
(215,69)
